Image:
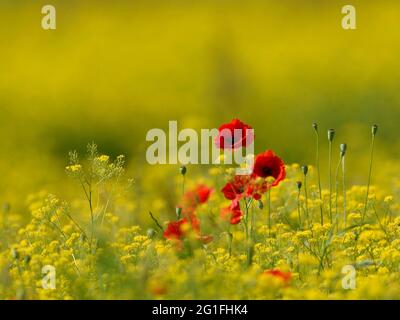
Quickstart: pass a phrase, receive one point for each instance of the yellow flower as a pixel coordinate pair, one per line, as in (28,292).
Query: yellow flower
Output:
(388,199)
(74,168)
(103,158)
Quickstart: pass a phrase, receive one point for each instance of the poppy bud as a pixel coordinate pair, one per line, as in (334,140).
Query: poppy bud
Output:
(27,259)
(374,129)
(151,233)
(260,205)
(182,170)
(304,169)
(331,134)
(343,148)
(15,253)
(299,184)
(315,126)
(178,211)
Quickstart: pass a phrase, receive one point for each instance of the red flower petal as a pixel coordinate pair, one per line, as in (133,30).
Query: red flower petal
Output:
(284,276)
(232,213)
(174,229)
(233,135)
(267,164)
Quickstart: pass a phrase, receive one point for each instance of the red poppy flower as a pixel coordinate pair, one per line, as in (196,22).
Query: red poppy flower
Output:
(267,164)
(232,213)
(205,239)
(158,289)
(229,191)
(192,198)
(203,193)
(244,186)
(235,188)
(195,223)
(284,276)
(234,135)
(175,229)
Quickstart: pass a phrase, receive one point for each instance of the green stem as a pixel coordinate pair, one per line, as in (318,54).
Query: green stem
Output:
(249,241)
(337,191)
(246,220)
(298,208)
(156,221)
(230,236)
(369,175)
(319,178)
(183,185)
(252,222)
(330,180)
(344,192)
(91,215)
(269,211)
(306,195)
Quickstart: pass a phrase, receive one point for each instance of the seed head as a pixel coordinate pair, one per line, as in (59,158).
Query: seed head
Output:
(299,184)
(15,253)
(151,233)
(343,148)
(315,126)
(27,259)
(331,134)
(178,211)
(182,170)
(374,129)
(304,169)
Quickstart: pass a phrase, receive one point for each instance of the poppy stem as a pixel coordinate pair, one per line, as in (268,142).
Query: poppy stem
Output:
(298,202)
(331,135)
(230,240)
(330,180)
(249,241)
(306,195)
(252,220)
(246,220)
(183,185)
(247,204)
(374,130)
(337,191)
(183,171)
(269,211)
(304,169)
(315,126)
(344,192)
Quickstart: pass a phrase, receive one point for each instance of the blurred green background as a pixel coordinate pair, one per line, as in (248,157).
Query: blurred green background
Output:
(115,69)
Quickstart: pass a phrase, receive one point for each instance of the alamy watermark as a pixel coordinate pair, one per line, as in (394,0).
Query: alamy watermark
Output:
(349,20)
(187,146)
(49,18)
(49,278)
(349,280)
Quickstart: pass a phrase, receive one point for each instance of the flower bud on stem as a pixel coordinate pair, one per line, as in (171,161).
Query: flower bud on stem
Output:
(374,130)
(304,169)
(298,201)
(315,126)
(331,135)
(183,170)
